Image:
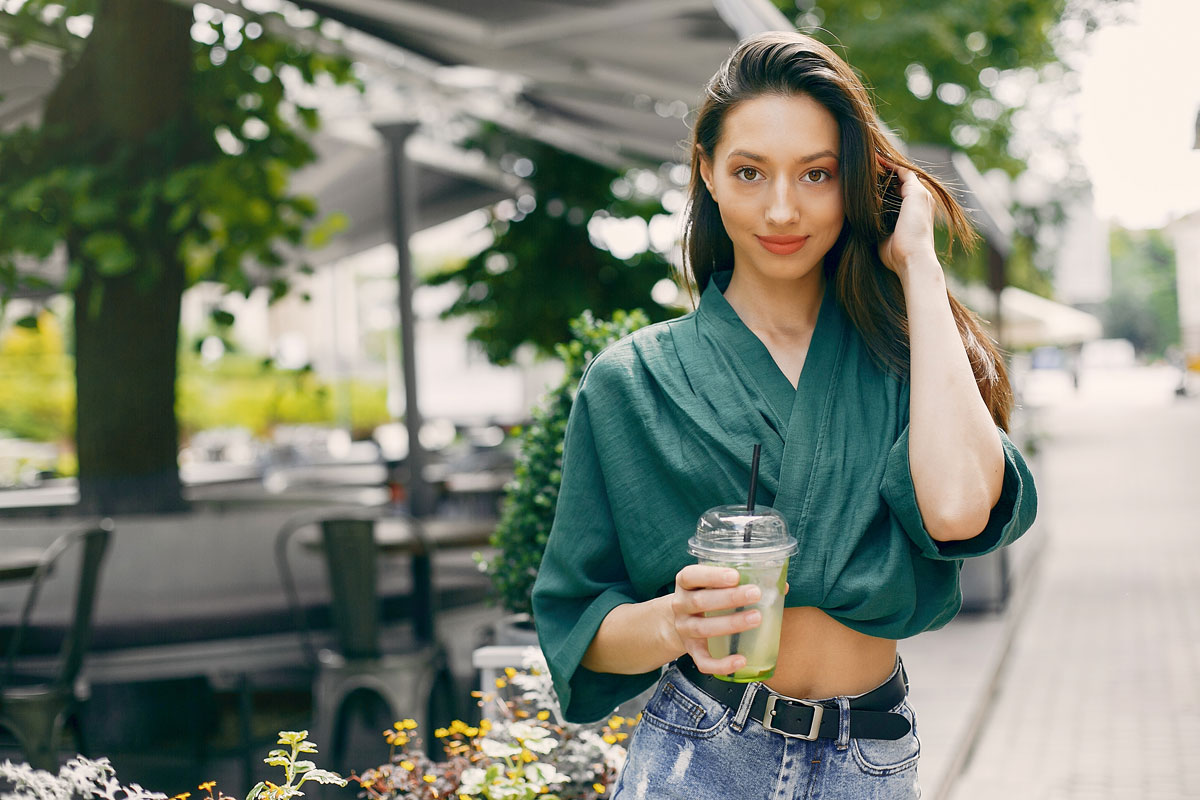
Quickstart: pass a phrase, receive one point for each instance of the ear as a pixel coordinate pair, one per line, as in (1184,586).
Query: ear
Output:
(706,173)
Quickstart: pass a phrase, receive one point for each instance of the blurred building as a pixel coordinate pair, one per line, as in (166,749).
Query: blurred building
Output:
(1185,235)
(1083,272)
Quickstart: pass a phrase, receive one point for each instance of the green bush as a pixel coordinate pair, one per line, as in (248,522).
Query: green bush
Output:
(243,391)
(530,500)
(37,382)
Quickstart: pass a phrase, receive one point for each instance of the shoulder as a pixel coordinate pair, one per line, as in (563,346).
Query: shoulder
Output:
(632,360)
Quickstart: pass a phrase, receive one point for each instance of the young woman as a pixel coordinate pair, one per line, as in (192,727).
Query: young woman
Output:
(828,338)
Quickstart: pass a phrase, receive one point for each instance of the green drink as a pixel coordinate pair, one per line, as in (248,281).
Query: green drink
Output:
(757,545)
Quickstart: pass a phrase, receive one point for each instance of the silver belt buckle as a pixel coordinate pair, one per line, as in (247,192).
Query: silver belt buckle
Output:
(813,730)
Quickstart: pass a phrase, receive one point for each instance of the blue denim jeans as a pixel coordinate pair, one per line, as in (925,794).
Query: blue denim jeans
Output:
(691,747)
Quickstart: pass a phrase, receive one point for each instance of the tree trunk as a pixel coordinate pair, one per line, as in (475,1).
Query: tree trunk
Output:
(125,363)
(131,80)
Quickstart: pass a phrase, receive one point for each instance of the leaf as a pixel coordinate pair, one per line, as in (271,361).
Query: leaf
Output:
(30,322)
(224,319)
(111,253)
(257,791)
(321,233)
(325,777)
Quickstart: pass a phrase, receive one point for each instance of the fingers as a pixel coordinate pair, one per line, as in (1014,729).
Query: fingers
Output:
(697,626)
(703,601)
(715,666)
(700,576)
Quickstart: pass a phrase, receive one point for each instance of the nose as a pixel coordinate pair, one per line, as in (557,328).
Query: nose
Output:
(784,205)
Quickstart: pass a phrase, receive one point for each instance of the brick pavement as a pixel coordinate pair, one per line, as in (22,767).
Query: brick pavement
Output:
(1100,693)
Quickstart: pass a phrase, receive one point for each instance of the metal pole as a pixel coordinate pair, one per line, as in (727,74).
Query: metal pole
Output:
(403,197)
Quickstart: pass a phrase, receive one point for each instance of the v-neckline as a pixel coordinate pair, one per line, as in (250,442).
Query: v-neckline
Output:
(756,357)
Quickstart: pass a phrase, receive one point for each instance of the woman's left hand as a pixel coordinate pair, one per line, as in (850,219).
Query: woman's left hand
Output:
(912,240)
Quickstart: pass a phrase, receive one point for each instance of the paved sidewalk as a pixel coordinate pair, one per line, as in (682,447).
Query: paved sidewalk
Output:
(1099,696)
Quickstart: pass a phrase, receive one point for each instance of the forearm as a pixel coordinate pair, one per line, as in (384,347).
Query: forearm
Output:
(954,449)
(635,638)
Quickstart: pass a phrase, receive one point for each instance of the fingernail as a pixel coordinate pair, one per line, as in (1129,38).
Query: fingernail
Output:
(754,617)
(753,594)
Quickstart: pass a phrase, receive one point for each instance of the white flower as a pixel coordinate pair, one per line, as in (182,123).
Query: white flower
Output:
(472,780)
(542,746)
(493,749)
(545,774)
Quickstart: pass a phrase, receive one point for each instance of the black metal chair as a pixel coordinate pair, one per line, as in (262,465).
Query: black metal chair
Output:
(412,678)
(35,708)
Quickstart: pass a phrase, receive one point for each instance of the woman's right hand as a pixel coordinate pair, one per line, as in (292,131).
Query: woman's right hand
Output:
(700,588)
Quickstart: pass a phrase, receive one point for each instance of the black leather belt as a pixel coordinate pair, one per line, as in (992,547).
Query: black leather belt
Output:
(870,714)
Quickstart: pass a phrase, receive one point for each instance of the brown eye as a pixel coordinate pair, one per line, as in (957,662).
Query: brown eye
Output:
(815,175)
(747,173)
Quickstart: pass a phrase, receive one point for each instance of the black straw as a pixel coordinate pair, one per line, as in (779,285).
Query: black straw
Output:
(753,488)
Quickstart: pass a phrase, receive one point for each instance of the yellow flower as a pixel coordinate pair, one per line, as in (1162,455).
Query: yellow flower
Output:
(599,787)
(510,672)
(527,756)
(407,725)
(458,726)
(395,738)
(609,738)
(441,733)
(429,778)
(622,737)
(207,786)
(472,732)
(522,714)
(543,715)
(476,693)
(616,722)
(501,683)
(408,765)
(485,725)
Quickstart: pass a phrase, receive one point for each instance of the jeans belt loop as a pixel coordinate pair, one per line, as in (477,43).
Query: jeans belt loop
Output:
(813,730)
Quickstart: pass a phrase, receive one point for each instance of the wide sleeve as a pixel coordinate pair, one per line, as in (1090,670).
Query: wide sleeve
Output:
(582,577)
(1011,516)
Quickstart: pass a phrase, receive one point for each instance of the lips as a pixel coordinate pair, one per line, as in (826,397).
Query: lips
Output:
(782,245)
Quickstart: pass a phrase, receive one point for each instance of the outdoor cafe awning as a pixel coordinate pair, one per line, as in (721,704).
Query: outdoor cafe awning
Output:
(608,79)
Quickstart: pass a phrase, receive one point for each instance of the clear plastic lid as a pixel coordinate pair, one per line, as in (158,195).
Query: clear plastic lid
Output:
(721,532)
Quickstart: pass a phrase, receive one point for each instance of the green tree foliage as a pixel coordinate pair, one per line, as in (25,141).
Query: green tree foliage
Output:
(934,65)
(543,269)
(532,497)
(1144,304)
(162,160)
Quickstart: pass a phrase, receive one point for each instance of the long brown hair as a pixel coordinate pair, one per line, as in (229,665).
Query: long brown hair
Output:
(791,63)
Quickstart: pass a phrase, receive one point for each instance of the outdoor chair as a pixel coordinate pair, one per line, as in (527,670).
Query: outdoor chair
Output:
(411,677)
(35,708)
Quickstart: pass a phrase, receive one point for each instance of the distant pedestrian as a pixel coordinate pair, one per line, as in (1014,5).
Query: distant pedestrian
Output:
(824,333)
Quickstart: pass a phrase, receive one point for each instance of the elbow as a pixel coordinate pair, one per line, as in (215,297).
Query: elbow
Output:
(957,521)
(957,526)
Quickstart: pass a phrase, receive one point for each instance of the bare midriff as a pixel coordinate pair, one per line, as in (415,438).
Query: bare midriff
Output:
(819,657)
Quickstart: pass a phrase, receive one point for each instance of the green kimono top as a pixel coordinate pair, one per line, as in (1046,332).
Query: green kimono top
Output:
(662,429)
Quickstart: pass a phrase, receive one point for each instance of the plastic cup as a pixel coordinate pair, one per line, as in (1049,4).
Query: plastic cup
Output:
(761,559)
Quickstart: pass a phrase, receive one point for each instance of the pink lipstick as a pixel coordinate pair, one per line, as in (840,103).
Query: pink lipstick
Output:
(782,245)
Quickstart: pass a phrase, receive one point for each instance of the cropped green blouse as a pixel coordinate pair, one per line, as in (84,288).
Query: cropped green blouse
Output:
(662,429)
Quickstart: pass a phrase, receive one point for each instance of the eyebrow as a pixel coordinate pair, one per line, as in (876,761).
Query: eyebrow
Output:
(804,159)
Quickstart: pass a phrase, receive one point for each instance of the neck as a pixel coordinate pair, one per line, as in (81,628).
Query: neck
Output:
(781,309)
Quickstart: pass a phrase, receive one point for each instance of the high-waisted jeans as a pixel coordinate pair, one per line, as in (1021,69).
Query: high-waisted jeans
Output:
(691,747)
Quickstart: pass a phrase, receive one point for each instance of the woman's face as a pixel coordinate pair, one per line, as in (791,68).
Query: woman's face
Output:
(775,177)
